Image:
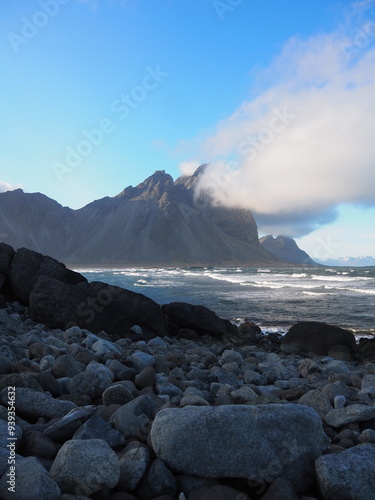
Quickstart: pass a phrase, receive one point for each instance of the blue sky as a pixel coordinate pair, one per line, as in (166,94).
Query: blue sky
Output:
(96,95)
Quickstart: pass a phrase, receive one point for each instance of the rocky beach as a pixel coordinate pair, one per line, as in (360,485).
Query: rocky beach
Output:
(107,395)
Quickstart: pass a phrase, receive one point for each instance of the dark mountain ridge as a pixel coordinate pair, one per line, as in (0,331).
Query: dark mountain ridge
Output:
(158,222)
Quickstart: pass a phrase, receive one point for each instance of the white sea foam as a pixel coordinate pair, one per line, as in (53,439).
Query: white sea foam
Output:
(299,275)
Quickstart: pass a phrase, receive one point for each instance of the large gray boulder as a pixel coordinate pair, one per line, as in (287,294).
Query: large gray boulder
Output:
(317,337)
(27,267)
(83,467)
(348,475)
(32,482)
(259,443)
(95,306)
(350,414)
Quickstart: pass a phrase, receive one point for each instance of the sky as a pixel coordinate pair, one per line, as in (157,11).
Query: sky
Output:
(277,96)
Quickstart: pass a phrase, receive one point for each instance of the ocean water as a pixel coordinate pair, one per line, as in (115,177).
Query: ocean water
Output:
(274,298)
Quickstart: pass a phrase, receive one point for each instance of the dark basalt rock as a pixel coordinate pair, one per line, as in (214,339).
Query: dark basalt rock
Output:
(317,337)
(95,306)
(198,318)
(28,266)
(7,254)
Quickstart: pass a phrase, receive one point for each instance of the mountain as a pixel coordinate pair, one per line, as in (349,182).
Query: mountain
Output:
(286,249)
(363,261)
(158,222)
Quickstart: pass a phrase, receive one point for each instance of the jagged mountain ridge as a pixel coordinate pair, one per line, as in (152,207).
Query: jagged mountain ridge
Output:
(286,249)
(158,222)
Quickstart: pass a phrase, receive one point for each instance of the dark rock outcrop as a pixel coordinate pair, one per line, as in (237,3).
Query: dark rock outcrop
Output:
(317,337)
(95,306)
(6,256)
(158,222)
(197,318)
(27,267)
(286,249)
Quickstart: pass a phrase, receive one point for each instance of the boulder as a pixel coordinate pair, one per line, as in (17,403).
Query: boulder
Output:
(350,414)
(28,266)
(84,467)
(317,337)
(157,482)
(348,475)
(32,481)
(270,441)
(95,306)
(198,318)
(96,428)
(6,256)
(35,404)
(133,465)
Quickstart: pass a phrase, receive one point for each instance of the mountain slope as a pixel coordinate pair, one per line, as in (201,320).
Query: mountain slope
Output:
(158,222)
(286,249)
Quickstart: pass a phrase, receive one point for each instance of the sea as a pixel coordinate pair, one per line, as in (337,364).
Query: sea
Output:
(273,298)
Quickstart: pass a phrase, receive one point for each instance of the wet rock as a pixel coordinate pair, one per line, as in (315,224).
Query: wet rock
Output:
(84,467)
(200,440)
(348,475)
(134,418)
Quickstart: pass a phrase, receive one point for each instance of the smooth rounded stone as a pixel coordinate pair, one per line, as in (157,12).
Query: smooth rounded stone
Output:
(348,475)
(4,434)
(32,481)
(7,352)
(367,436)
(339,402)
(146,378)
(6,365)
(117,394)
(104,347)
(56,342)
(217,492)
(223,377)
(63,429)
(136,329)
(272,357)
(91,383)
(308,366)
(368,384)
(133,465)
(36,444)
(346,434)
(315,399)
(253,377)
(336,366)
(134,418)
(270,441)
(27,365)
(199,373)
(157,342)
(115,366)
(158,481)
(335,389)
(66,366)
(164,387)
(139,360)
(40,349)
(280,489)
(244,395)
(193,400)
(230,356)
(352,413)
(37,404)
(47,362)
(84,467)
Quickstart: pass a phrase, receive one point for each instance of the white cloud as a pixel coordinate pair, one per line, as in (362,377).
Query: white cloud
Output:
(188,167)
(6,186)
(306,144)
